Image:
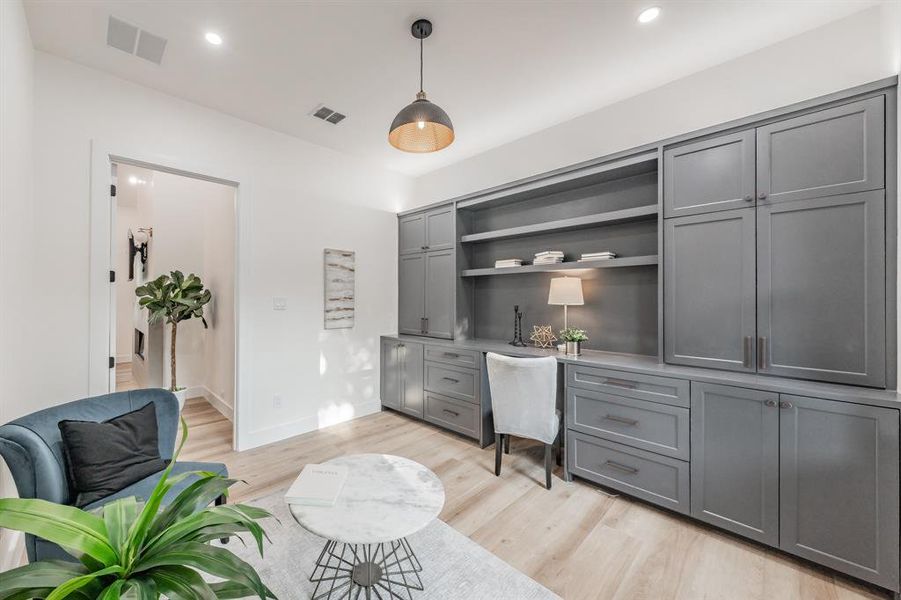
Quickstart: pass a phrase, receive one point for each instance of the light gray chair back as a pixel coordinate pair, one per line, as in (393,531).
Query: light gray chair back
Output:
(524,396)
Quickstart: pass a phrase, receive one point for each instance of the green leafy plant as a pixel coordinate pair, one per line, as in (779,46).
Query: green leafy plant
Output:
(174,298)
(139,550)
(571,334)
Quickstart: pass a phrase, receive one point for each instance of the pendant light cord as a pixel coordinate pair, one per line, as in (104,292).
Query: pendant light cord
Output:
(420,64)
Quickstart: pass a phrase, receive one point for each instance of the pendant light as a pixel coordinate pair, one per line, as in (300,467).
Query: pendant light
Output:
(421,126)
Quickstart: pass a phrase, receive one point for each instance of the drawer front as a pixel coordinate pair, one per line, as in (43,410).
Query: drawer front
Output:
(462,417)
(650,426)
(631,385)
(452,356)
(657,479)
(455,382)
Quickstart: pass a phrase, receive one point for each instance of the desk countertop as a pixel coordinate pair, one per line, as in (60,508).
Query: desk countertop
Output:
(650,366)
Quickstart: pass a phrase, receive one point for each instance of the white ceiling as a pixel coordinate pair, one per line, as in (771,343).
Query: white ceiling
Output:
(501,70)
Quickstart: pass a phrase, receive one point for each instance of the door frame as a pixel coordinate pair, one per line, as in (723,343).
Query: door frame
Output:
(101,311)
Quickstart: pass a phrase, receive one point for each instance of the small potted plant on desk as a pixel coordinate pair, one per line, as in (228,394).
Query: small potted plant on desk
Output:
(174,298)
(573,338)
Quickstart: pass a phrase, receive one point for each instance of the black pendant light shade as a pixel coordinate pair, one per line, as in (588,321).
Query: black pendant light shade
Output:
(421,126)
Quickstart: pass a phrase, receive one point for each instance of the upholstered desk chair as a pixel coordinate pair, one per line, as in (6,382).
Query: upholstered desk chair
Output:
(32,448)
(524,403)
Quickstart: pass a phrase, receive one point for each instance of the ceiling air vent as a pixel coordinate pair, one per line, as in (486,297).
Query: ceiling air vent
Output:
(327,114)
(129,38)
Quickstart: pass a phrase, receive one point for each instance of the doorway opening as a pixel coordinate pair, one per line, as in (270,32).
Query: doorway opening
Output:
(162,222)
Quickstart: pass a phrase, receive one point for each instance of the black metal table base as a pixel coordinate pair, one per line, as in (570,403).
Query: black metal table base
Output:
(371,571)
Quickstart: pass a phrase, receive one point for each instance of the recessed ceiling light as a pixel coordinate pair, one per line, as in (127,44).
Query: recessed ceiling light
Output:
(649,14)
(213,38)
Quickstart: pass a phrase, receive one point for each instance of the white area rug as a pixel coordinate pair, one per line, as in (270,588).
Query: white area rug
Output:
(453,566)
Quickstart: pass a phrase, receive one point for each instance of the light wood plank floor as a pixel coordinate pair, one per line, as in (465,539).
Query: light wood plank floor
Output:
(575,539)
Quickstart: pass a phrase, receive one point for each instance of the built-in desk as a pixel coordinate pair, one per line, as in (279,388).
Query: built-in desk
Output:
(810,468)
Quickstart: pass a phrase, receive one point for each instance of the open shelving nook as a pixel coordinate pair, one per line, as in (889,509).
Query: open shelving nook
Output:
(612,206)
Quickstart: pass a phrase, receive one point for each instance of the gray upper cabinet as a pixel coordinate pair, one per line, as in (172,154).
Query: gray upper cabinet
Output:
(439,228)
(439,293)
(835,151)
(821,288)
(709,290)
(411,235)
(411,294)
(839,486)
(711,175)
(735,460)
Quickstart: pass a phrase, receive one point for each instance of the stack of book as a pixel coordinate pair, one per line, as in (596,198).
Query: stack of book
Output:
(507,262)
(548,257)
(587,256)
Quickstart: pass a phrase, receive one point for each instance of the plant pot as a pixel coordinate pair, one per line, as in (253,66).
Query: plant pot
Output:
(573,348)
(181,395)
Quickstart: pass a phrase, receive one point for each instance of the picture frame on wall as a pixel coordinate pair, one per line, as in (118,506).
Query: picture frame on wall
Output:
(339,269)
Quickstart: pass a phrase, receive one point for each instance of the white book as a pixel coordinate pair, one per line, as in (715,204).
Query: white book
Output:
(317,485)
(593,258)
(548,253)
(605,253)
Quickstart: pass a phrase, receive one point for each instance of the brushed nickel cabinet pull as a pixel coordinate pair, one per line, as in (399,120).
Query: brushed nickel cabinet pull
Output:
(451,412)
(451,355)
(786,404)
(749,198)
(622,420)
(771,403)
(762,195)
(620,383)
(623,468)
(451,379)
(746,357)
(761,353)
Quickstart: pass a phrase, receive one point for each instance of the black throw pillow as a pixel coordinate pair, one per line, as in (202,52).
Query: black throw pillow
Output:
(103,458)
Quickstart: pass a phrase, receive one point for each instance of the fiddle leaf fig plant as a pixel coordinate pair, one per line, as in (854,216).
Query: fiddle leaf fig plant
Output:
(571,334)
(139,549)
(171,299)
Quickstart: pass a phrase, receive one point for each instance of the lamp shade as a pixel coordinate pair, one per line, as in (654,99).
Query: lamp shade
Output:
(566,291)
(421,127)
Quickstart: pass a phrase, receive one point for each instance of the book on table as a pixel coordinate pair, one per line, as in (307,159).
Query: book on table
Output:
(317,485)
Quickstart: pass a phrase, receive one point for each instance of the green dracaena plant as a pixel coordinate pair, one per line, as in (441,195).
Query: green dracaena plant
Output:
(138,550)
(174,298)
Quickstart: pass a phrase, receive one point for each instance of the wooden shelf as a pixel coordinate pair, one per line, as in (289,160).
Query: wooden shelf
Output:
(631,261)
(639,213)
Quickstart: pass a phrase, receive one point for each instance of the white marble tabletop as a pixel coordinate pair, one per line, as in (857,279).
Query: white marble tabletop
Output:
(384,498)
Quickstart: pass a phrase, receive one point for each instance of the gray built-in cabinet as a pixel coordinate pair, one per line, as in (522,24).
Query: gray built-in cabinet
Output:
(401,380)
(784,273)
(427,273)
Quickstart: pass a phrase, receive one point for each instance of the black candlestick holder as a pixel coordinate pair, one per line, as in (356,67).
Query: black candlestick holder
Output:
(517,328)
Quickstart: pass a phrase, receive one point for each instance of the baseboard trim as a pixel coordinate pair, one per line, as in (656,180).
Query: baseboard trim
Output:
(283,431)
(125,358)
(219,404)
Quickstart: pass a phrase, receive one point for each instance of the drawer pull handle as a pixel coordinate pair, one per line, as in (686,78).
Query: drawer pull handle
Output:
(451,355)
(786,404)
(623,468)
(622,420)
(451,412)
(451,379)
(620,383)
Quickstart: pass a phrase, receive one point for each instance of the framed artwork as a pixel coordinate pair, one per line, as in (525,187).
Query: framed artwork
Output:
(339,288)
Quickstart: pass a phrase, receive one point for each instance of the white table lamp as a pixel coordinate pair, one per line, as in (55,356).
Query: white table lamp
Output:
(566,291)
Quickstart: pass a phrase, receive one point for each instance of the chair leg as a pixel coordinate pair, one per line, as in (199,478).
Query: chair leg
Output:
(558,448)
(506,443)
(498,452)
(219,502)
(548,464)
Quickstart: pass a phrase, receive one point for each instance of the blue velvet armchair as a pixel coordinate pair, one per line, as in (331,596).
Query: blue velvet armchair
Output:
(32,448)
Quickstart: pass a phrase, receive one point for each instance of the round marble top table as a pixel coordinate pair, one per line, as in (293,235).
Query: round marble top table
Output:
(385,498)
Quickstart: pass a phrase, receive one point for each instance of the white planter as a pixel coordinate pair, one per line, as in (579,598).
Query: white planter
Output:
(181,395)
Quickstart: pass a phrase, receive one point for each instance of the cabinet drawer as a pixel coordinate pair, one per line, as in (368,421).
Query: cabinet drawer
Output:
(647,425)
(645,475)
(462,417)
(631,385)
(453,356)
(455,382)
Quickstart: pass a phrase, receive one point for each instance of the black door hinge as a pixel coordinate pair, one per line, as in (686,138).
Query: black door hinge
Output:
(112,190)
(112,277)
(112,362)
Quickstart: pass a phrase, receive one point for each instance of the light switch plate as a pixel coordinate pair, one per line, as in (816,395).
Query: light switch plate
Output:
(279,303)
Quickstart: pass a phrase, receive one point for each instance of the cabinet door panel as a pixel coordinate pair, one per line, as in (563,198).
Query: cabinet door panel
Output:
(711,175)
(411,294)
(412,397)
(439,293)
(440,228)
(821,288)
(835,151)
(411,235)
(709,290)
(735,460)
(839,486)
(391,374)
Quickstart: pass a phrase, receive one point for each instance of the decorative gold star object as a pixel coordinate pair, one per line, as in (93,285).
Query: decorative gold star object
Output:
(543,336)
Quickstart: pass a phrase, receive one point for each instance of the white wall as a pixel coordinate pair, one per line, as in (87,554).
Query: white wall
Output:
(861,48)
(16,234)
(300,198)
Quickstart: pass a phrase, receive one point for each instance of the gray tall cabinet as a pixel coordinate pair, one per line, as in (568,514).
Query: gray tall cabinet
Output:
(774,248)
